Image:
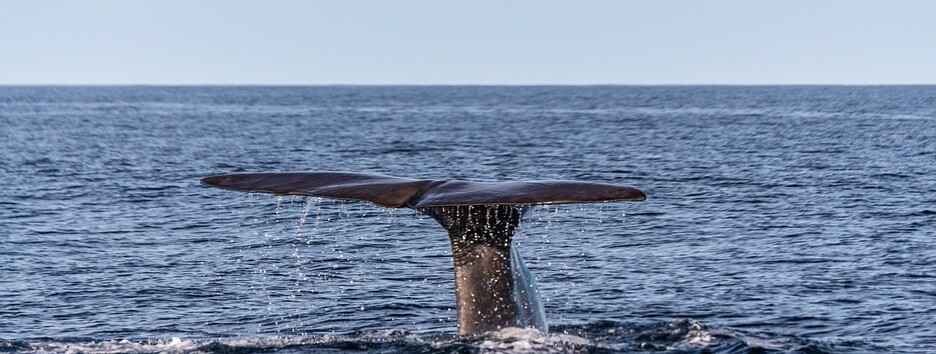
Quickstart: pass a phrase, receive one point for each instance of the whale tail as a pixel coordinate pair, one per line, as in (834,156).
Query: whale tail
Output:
(493,288)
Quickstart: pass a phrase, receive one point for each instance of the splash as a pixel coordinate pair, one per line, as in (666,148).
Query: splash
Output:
(684,336)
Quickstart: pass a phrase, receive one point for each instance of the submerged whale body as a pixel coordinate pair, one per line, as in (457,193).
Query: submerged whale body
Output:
(493,288)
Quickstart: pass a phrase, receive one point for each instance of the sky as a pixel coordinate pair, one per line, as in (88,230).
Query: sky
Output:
(360,42)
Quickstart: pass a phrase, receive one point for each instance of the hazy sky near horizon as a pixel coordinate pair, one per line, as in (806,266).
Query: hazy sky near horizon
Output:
(468,42)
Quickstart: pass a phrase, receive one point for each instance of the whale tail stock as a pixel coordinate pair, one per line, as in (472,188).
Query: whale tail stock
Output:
(493,288)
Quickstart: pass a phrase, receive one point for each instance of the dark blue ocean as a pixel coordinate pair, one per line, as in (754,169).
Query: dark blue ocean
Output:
(778,219)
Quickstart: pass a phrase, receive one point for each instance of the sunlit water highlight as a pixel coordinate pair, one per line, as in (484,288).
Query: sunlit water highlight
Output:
(789,219)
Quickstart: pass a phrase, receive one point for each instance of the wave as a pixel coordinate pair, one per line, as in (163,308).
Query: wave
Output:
(679,336)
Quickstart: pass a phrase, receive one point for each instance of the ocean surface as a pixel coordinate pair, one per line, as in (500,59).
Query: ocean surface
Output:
(778,219)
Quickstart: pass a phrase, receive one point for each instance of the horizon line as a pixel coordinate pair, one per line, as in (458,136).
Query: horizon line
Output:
(445,84)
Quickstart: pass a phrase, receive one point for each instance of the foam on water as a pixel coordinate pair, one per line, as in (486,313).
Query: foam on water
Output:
(174,345)
(682,336)
(670,336)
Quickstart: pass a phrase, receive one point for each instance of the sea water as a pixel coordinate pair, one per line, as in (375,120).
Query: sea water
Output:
(794,219)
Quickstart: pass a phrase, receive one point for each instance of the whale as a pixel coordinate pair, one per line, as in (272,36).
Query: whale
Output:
(493,287)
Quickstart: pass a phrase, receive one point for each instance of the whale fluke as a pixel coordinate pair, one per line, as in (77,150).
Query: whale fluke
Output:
(395,192)
(385,191)
(493,288)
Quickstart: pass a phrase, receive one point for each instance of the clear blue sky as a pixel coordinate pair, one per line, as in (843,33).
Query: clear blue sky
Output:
(468,42)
